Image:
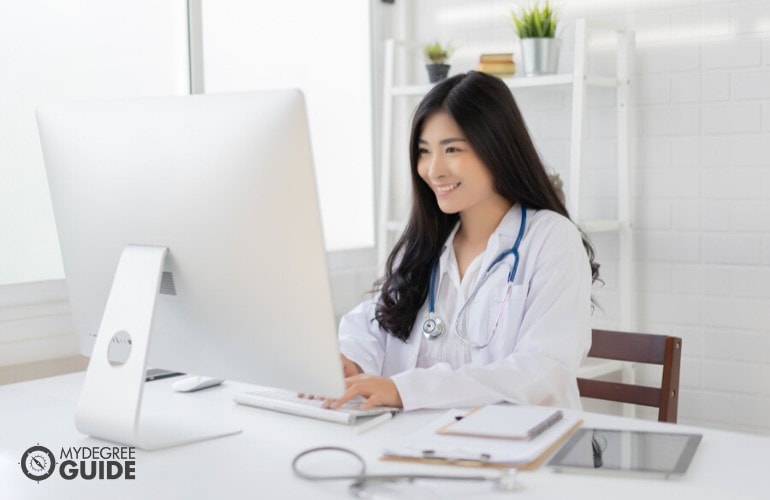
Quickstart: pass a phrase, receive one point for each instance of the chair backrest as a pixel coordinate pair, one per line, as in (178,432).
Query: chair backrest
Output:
(641,348)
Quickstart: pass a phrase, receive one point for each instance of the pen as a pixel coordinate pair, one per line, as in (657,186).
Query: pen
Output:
(371,424)
(545,424)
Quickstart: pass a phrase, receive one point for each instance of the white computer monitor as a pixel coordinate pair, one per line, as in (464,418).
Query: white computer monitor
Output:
(209,204)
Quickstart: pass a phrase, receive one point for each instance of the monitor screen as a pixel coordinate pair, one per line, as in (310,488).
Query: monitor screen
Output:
(226,184)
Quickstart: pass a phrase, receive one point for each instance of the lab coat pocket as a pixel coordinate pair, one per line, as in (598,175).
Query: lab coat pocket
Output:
(505,315)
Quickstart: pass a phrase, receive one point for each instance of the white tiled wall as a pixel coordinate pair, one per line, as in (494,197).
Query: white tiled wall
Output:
(700,182)
(352,274)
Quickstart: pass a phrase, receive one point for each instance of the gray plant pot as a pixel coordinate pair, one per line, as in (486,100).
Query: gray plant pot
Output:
(437,72)
(540,56)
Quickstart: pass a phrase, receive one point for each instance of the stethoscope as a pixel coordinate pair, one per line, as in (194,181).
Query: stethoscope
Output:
(505,481)
(433,326)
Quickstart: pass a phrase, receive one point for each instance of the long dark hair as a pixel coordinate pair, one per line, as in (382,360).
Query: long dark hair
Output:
(486,112)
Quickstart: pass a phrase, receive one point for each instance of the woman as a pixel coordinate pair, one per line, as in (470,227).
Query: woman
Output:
(487,294)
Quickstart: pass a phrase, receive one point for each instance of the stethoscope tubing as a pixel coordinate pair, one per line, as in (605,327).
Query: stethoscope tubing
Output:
(362,477)
(436,332)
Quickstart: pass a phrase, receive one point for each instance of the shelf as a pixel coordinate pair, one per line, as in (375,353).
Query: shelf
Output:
(539,81)
(589,226)
(520,82)
(561,79)
(599,226)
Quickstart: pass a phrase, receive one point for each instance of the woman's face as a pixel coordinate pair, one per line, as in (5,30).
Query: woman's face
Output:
(449,165)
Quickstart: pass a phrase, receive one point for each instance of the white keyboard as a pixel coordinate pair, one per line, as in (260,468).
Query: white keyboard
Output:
(289,402)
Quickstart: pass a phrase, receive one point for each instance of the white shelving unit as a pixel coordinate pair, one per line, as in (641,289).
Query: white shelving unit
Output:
(579,81)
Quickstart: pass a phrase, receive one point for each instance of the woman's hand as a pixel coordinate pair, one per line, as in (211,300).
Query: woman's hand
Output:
(378,391)
(349,368)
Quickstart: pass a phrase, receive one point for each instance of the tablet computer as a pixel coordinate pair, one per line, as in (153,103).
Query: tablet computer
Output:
(624,451)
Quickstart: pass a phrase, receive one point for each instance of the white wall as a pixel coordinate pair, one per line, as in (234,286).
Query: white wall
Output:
(53,51)
(700,161)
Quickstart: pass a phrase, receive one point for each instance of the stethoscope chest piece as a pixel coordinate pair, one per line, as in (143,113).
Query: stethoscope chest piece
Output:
(432,327)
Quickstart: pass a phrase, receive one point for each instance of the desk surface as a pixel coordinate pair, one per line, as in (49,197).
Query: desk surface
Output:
(256,463)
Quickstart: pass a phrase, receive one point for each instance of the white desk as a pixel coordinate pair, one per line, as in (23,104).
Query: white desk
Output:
(256,463)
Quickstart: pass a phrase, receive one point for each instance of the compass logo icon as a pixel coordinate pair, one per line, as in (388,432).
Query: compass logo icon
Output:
(38,463)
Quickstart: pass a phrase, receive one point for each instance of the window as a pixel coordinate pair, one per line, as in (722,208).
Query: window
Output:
(322,48)
(63,51)
(57,51)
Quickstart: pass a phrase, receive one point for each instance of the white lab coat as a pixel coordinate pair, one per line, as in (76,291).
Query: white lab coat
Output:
(543,336)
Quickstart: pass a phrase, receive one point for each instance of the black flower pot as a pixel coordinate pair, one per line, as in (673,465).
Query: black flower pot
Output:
(437,72)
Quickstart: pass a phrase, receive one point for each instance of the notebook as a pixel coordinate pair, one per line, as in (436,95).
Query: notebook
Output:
(428,445)
(504,422)
(288,402)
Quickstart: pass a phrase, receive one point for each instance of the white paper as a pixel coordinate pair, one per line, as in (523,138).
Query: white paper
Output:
(427,443)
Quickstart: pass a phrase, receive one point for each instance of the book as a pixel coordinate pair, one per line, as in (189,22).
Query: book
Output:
(501,64)
(427,445)
(499,58)
(507,69)
(504,422)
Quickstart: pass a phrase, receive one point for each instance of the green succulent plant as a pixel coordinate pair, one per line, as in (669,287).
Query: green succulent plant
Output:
(538,20)
(437,53)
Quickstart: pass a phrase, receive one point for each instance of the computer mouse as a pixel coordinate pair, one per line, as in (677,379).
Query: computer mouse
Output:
(195,383)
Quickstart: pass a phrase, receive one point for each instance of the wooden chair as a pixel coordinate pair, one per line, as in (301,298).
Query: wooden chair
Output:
(639,348)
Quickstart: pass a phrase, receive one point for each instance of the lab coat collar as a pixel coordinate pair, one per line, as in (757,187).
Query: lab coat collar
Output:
(447,252)
(503,238)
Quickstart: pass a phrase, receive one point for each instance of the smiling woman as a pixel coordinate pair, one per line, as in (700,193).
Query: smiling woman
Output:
(463,185)
(486,295)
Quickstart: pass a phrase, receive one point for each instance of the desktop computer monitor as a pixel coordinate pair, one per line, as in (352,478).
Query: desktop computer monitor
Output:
(195,218)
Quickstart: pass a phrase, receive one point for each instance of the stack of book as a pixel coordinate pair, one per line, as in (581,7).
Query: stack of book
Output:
(501,65)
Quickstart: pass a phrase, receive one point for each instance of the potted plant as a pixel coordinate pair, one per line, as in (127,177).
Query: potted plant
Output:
(436,55)
(536,27)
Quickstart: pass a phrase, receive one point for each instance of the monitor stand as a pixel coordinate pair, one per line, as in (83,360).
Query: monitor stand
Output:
(111,398)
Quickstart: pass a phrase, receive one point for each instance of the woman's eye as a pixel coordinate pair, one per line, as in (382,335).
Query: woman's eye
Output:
(422,151)
(452,149)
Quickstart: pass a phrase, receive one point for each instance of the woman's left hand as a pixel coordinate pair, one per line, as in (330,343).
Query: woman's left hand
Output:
(378,391)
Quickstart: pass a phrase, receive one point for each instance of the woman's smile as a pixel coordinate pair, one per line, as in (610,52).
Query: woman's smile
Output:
(460,181)
(445,189)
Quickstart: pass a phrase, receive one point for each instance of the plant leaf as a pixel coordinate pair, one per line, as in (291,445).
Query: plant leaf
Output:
(536,20)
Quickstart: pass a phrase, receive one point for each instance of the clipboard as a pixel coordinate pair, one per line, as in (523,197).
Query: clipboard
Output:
(504,422)
(427,446)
